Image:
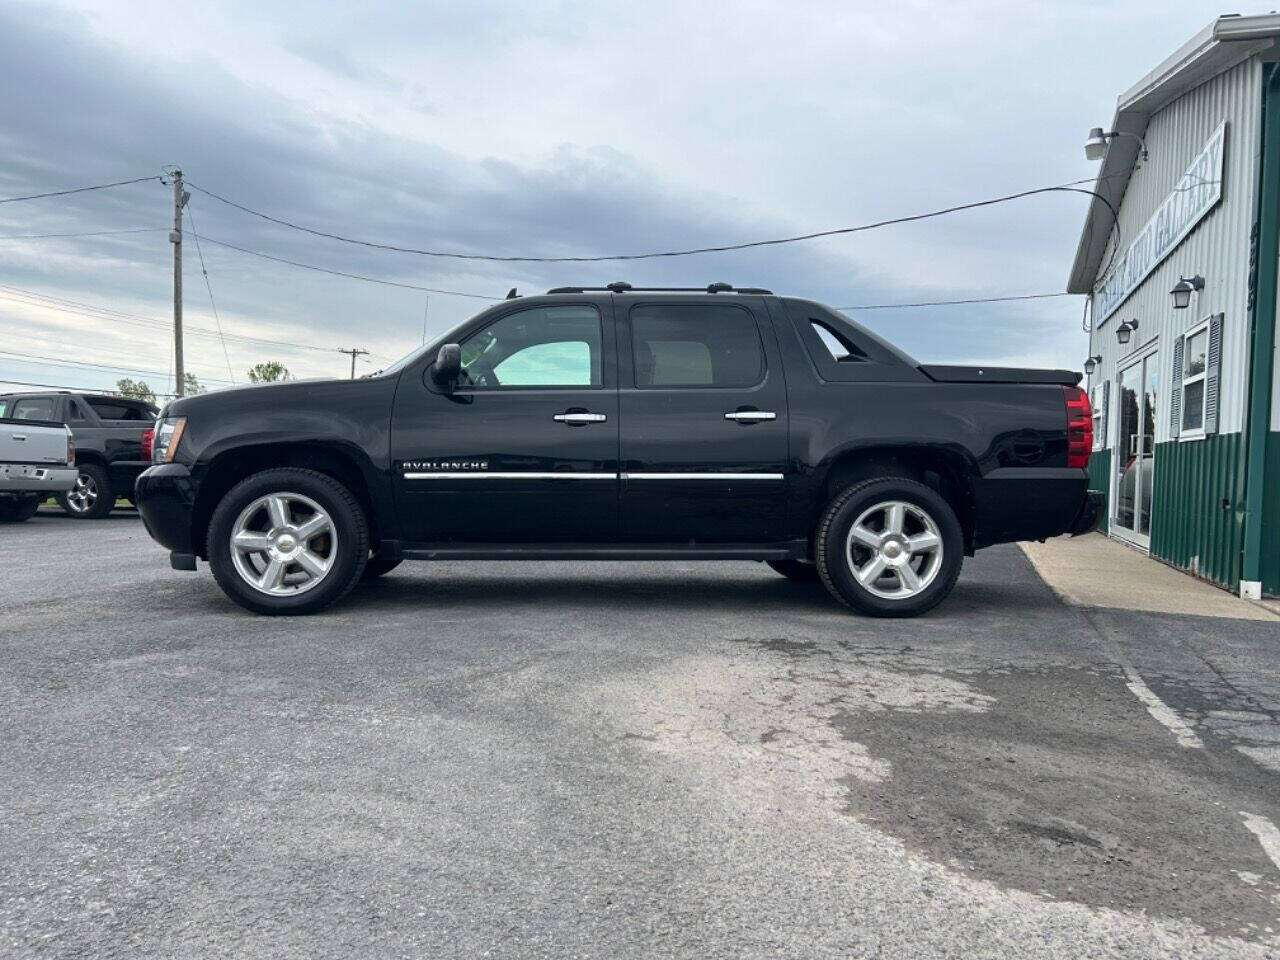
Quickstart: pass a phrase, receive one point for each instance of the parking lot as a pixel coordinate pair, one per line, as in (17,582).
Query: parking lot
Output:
(605,760)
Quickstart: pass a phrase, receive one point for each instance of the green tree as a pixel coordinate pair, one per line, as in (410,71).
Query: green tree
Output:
(135,390)
(192,385)
(269,372)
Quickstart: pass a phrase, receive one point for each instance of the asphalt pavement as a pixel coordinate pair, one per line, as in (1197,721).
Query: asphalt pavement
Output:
(621,760)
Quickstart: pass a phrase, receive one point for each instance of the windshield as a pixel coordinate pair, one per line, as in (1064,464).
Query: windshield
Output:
(428,349)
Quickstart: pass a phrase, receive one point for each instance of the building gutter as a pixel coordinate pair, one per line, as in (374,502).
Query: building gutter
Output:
(1263,329)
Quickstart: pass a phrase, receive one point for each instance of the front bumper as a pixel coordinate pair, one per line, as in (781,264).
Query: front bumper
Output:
(166,498)
(1086,520)
(24,478)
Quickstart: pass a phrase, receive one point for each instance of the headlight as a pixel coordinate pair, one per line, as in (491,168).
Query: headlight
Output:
(165,443)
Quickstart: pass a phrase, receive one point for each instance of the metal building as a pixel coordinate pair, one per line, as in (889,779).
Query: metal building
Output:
(1182,298)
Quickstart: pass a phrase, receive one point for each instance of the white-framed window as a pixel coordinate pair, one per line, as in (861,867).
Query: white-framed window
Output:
(1197,356)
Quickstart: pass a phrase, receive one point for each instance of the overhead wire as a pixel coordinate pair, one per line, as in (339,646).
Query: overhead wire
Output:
(62,386)
(1072,187)
(949,303)
(340,273)
(107,313)
(63,193)
(208,286)
(111,368)
(92,233)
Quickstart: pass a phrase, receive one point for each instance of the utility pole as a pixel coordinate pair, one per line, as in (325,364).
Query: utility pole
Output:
(355,352)
(180,198)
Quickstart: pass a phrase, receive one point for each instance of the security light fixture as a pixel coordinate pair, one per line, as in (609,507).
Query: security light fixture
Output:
(1091,365)
(1183,288)
(1125,331)
(1095,148)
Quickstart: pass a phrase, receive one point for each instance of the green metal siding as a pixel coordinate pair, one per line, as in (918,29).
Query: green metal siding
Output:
(1100,480)
(1270,556)
(1190,527)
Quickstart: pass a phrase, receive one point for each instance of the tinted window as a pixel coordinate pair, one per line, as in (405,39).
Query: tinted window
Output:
(3,405)
(695,345)
(37,409)
(541,347)
(112,409)
(77,413)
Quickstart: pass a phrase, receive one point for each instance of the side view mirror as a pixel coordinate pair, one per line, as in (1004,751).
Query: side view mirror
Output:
(448,364)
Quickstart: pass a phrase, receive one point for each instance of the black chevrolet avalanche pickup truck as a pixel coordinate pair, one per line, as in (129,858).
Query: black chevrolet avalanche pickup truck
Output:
(620,423)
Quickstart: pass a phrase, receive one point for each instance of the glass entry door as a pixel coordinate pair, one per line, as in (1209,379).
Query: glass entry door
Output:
(1135,449)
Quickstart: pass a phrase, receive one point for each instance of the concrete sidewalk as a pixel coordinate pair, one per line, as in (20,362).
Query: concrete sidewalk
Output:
(1097,571)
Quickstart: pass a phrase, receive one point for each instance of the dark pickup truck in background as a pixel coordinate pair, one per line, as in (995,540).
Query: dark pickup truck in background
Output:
(620,423)
(112,439)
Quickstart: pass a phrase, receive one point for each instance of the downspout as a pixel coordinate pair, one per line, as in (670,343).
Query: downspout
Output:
(1263,330)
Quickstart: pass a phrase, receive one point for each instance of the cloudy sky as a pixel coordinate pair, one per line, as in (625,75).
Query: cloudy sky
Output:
(543,128)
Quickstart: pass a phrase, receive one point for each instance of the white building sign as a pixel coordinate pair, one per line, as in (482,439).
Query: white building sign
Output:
(1198,192)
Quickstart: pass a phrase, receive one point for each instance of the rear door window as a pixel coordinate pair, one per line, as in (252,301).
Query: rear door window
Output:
(695,345)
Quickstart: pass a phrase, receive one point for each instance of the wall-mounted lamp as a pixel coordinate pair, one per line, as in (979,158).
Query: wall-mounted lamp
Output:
(1182,290)
(1091,365)
(1095,148)
(1125,330)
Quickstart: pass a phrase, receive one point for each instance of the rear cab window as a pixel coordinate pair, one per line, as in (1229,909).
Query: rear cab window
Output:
(843,350)
(121,410)
(34,408)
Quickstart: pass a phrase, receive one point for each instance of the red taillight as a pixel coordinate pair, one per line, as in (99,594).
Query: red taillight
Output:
(148,438)
(71,450)
(1079,427)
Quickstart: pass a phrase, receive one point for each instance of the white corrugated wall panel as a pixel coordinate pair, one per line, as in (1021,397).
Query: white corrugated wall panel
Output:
(1217,249)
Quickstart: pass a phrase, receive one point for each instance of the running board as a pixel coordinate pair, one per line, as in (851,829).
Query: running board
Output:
(790,550)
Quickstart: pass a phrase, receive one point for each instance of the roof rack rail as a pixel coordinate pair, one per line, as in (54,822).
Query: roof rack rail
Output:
(621,286)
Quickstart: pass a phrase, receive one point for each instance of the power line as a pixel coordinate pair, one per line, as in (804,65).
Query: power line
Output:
(61,386)
(33,358)
(339,273)
(63,193)
(208,286)
(948,303)
(1072,187)
(65,305)
(93,233)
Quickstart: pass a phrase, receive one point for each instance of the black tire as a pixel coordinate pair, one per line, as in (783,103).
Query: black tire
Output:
(350,541)
(379,565)
(798,571)
(18,509)
(936,574)
(94,496)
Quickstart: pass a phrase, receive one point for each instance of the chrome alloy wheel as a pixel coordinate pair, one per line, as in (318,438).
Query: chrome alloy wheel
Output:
(894,550)
(83,495)
(283,544)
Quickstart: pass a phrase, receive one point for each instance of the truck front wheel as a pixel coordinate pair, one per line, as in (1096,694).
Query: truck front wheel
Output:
(288,541)
(889,547)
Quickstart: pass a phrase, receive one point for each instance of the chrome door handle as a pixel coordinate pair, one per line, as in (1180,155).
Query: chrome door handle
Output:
(580,418)
(19,436)
(751,416)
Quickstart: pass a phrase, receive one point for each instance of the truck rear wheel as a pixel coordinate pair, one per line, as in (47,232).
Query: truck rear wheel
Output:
(92,498)
(288,541)
(889,547)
